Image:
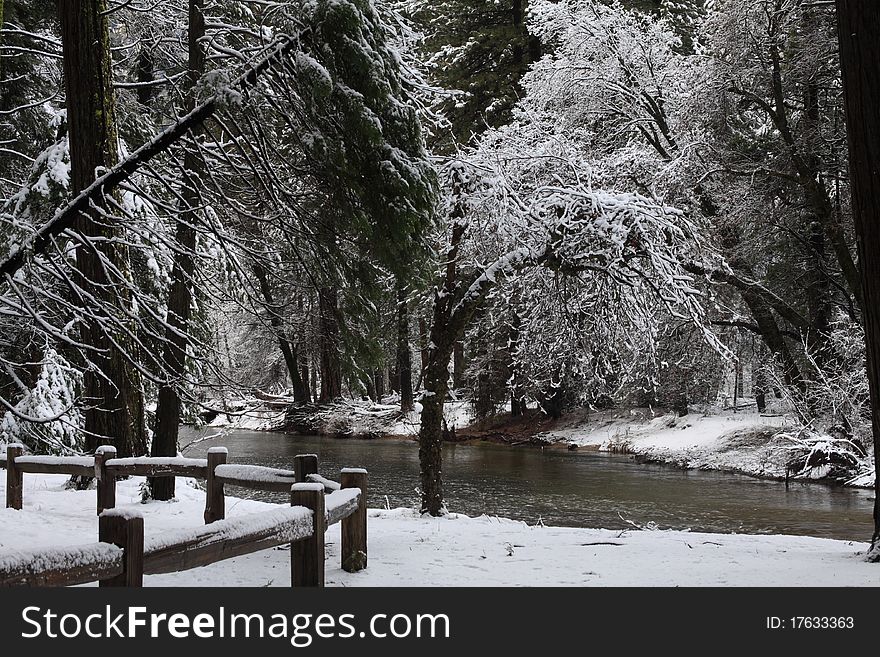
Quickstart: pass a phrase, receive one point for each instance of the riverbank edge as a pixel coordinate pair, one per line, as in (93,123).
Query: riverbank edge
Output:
(408,549)
(370,421)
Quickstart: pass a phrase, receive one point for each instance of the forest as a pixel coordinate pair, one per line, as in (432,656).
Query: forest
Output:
(529,213)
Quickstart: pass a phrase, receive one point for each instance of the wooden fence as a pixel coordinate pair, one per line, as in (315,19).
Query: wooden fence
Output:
(122,556)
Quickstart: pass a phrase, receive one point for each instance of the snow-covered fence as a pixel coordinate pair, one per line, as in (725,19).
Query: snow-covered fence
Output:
(122,557)
(106,469)
(179,550)
(64,566)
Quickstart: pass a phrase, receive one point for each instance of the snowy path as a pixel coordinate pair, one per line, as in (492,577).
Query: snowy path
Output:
(406,550)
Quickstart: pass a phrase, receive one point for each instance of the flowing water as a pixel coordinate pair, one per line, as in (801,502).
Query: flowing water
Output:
(557,487)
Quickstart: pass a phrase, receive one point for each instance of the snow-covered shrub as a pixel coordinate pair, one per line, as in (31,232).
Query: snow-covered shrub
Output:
(835,398)
(814,455)
(46,419)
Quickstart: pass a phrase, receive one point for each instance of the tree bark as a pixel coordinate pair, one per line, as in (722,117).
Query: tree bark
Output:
(144,70)
(112,391)
(331,371)
(431,431)
(404,357)
(168,407)
(379,383)
(423,347)
(458,365)
(858,27)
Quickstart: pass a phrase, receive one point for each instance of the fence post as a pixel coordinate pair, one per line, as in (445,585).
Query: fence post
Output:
(14,476)
(215,496)
(354,527)
(307,555)
(303,466)
(106,480)
(125,529)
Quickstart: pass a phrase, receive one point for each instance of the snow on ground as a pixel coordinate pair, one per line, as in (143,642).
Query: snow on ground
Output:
(408,550)
(721,440)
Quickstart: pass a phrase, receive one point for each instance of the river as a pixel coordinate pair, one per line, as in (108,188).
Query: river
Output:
(558,487)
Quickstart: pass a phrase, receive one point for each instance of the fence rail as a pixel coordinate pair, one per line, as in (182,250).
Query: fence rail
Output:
(123,556)
(65,566)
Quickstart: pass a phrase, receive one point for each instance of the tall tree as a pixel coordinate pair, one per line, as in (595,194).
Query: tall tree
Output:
(180,296)
(858,26)
(111,384)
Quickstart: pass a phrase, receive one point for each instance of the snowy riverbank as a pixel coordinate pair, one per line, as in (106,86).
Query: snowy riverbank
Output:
(345,418)
(744,442)
(736,442)
(408,550)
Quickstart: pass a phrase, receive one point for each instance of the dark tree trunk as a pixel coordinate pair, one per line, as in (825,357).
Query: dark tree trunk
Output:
(859,25)
(818,297)
(458,365)
(679,382)
(379,383)
(454,307)
(436,373)
(331,371)
(423,347)
(287,347)
(393,378)
(760,390)
(518,11)
(431,430)
(2,71)
(144,74)
(773,338)
(112,389)
(304,376)
(168,407)
(404,357)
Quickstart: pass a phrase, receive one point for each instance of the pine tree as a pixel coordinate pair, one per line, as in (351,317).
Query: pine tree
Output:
(168,407)
(479,49)
(111,387)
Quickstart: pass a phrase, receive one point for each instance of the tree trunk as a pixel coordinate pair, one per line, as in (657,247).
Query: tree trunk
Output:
(517,14)
(404,357)
(112,391)
(424,352)
(168,407)
(288,348)
(304,374)
(773,338)
(144,74)
(517,405)
(818,297)
(2,73)
(458,365)
(379,383)
(431,430)
(331,371)
(859,25)
(313,379)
